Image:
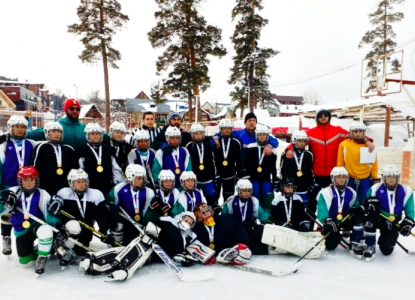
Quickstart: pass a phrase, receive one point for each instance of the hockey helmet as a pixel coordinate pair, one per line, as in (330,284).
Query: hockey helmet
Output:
(183,225)
(142,135)
(132,171)
(197,128)
(186,175)
(243,184)
(17,120)
(93,127)
(260,129)
(204,213)
(28,172)
(166,175)
(53,126)
(390,171)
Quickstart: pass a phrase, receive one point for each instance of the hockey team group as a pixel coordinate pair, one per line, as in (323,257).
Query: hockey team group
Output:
(155,197)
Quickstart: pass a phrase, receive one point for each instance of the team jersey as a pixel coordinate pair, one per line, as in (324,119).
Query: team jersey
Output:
(283,209)
(188,201)
(328,200)
(171,198)
(245,211)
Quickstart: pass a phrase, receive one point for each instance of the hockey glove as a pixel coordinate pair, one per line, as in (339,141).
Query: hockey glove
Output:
(108,239)
(8,199)
(237,255)
(358,210)
(62,236)
(55,205)
(158,204)
(372,205)
(330,225)
(277,185)
(305,226)
(4,138)
(406,226)
(186,260)
(313,190)
(217,209)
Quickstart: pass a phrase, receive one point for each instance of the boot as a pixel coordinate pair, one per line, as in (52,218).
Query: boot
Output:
(370,240)
(356,246)
(66,258)
(41,264)
(7,245)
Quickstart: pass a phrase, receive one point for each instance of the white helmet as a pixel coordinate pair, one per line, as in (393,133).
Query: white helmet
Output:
(243,184)
(187,175)
(142,135)
(132,171)
(172,131)
(299,135)
(339,171)
(197,128)
(357,126)
(225,123)
(264,130)
(166,175)
(17,120)
(93,127)
(117,126)
(183,226)
(390,170)
(77,174)
(53,126)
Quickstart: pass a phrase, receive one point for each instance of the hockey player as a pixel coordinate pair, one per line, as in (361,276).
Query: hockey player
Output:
(300,168)
(391,199)
(223,233)
(288,208)
(117,142)
(167,192)
(53,160)
(135,198)
(174,120)
(203,163)
(142,154)
(83,203)
(227,159)
(98,160)
(15,152)
(30,199)
(361,176)
(260,168)
(335,202)
(190,197)
(172,157)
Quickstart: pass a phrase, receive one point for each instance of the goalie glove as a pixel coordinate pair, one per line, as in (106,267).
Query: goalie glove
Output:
(240,254)
(186,260)
(158,204)
(201,252)
(8,199)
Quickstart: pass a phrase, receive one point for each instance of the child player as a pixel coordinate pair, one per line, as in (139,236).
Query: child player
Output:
(190,197)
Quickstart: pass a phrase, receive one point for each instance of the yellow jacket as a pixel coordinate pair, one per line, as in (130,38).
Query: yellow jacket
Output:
(348,156)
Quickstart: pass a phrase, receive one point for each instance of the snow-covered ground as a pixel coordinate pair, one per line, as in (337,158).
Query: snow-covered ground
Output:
(337,275)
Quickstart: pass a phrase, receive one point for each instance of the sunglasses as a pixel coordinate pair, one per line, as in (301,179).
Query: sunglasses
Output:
(323,116)
(74,108)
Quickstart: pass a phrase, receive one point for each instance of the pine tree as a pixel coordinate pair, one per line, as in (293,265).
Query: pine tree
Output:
(189,41)
(100,19)
(381,38)
(250,61)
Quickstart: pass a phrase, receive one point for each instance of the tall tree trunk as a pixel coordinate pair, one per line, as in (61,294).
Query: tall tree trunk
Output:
(105,64)
(252,101)
(195,84)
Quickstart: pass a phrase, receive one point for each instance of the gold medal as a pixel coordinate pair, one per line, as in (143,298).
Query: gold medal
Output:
(201,167)
(26,224)
(211,246)
(59,171)
(225,163)
(137,218)
(100,169)
(289,220)
(259,169)
(299,173)
(339,217)
(177,171)
(391,218)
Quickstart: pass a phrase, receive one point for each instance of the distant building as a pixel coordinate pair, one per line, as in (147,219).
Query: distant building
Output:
(89,113)
(294,100)
(288,105)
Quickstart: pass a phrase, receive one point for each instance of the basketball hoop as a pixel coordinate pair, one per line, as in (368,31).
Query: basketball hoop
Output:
(380,83)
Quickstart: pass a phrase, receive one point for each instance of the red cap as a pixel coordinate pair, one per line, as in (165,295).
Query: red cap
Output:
(70,103)
(27,172)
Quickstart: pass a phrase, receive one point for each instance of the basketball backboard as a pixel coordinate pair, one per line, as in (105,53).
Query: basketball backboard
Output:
(382,74)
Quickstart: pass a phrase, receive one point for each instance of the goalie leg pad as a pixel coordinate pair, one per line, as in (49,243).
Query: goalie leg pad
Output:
(297,243)
(200,251)
(99,262)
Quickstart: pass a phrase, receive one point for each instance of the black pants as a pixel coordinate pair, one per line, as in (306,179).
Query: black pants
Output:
(25,242)
(255,233)
(6,227)
(388,235)
(334,238)
(228,188)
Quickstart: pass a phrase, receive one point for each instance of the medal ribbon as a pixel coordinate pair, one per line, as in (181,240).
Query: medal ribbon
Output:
(82,211)
(176,158)
(261,157)
(288,211)
(211,232)
(225,150)
(99,158)
(136,202)
(301,160)
(391,201)
(58,154)
(19,158)
(340,201)
(144,162)
(201,152)
(117,147)
(26,209)
(191,202)
(242,207)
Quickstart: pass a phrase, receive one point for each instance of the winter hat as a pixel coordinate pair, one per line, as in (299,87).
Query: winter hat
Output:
(173,115)
(323,111)
(70,103)
(250,115)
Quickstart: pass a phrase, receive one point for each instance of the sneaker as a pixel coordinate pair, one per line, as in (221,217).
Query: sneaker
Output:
(7,245)
(369,253)
(41,264)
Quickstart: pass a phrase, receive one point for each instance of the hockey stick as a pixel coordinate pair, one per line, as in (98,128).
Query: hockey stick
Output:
(40,221)
(166,259)
(87,226)
(293,269)
(410,252)
(396,224)
(150,175)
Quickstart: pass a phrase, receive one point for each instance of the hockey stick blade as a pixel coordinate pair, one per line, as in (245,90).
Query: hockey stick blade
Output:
(410,252)
(176,270)
(293,269)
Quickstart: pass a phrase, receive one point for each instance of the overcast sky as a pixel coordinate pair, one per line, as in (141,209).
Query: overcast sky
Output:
(313,36)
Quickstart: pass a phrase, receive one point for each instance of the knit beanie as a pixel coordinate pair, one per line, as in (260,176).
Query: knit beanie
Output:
(250,115)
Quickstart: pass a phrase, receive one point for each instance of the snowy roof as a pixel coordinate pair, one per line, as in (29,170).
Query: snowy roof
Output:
(259,113)
(221,113)
(86,108)
(289,108)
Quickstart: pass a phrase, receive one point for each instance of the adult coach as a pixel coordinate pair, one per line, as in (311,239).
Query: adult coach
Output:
(73,129)
(148,125)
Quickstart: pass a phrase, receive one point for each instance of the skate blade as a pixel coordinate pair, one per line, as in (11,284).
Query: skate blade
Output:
(355,255)
(370,258)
